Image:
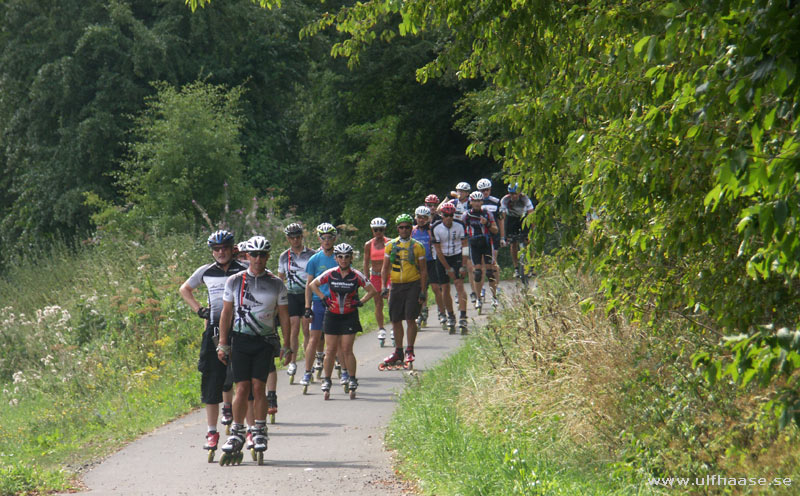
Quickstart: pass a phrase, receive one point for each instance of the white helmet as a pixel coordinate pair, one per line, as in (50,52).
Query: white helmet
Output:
(422,211)
(462,186)
(476,195)
(258,243)
(326,228)
(484,184)
(343,249)
(377,222)
(242,246)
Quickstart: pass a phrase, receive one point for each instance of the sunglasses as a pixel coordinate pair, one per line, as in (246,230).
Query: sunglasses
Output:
(219,247)
(258,254)
(343,256)
(485,189)
(447,215)
(327,237)
(378,229)
(404,227)
(295,236)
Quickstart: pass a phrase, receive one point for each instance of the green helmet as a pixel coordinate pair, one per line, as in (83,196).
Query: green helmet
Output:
(404,218)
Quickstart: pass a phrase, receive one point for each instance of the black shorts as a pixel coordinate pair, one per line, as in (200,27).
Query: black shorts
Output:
(453,261)
(404,301)
(252,357)
(212,382)
(297,304)
(480,250)
(514,227)
(433,272)
(340,324)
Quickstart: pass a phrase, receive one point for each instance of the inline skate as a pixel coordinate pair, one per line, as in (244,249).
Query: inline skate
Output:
(352,385)
(478,306)
(318,357)
(232,449)
(462,326)
(259,443)
(338,367)
(443,320)
(381,336)
(272,405)
(422,318)
(305,381)
(408,362)
(291,370)
(212,440)
(344,380)
(227,418)
(326,388)
(451,325)
(392,362)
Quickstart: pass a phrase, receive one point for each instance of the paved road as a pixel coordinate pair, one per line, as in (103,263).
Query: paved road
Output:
(316,447)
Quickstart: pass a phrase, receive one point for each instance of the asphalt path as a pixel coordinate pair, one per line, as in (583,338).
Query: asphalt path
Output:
(316,447)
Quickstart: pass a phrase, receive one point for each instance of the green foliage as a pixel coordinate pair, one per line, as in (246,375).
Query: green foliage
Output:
(186,148)
(677,122)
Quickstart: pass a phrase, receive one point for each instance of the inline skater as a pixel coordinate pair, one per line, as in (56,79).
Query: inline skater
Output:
(248,340)
(341,322)
(314,310)
(373,261)
(452,260)
(461,203)
(403,264)
(514,206)
(422,233)
(241,253)
(432,202)
(492,204)
(480,225)
(216,380)
(292,271)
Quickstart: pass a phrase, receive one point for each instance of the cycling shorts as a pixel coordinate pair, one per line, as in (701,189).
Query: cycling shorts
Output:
(514,226)
(453,261)
(480,250)
(434,277)
(341,324)
(376,282)
(404,301)
(253,357)
(318,310)
(297,304)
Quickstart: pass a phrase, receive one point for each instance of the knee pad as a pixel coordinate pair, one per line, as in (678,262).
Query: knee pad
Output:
(490,275)
(478,275)
(226,387)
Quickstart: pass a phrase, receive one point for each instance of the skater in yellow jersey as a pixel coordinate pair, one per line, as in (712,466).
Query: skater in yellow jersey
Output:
(404,264)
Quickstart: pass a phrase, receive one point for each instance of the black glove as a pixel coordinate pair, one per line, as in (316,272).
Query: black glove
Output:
(359,304)
(325,304)
(308,313)
(204,313)
(385,292)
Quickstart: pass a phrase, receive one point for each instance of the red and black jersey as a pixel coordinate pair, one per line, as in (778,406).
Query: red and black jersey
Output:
(472,222)
(344,289)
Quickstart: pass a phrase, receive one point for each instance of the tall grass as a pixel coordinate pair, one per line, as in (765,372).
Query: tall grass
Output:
(555,397)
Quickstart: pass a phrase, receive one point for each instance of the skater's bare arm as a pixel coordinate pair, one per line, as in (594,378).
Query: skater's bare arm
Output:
(371,292)
(187,293)
(314,286)
(309,280)
(283,316)
(423,276)
(440,256)
(385,272)
(367,257)
(224,331)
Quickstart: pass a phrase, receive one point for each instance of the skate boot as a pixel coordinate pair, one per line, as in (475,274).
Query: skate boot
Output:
(418,321)
(451,325)
(495,302)
(305,381)
(227,418)
(326,387)
(408,362)
(344,379)
(232,449)
(443,320)
(393,361)
(318,363)
(478,306)
(338,367)
(381,336)
(259,443)
(473,298)
(462,326)
(212,440)
(248,440)
(272,405)
(391,335)
(291,370)
(352,385)
(483,294)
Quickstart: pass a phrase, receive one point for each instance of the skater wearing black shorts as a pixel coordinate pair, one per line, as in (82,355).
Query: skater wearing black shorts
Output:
(216,379)
(249,339)
(480,226)
(452,259)
(515,206)
(341,323)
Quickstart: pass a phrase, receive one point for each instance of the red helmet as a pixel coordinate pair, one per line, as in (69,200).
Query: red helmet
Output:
(431,199)
(448,208)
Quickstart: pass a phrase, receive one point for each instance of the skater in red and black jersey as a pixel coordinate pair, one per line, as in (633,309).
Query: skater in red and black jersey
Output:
(341,322)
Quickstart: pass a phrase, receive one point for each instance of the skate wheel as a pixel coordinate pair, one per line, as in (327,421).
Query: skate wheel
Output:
(346,388)
(211,456)
(271,418)
(381,341)
(223,460)
(327,395)
(352,394)
(408,366)
(260,458)
(319,374)
(291,379)
(381,367)
(305,389)
(339,374)
(253,454)
(239,458)
(228,430)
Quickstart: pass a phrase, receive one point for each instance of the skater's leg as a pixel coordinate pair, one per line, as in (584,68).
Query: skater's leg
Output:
(314,340)
(294,338)
(412,332)
(379,311)
(332,344)
(346,346)
(397,327)
(259,400)
(240,401)
(212,414)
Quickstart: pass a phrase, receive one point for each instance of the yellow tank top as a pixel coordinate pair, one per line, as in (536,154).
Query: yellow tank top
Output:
(403,265)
